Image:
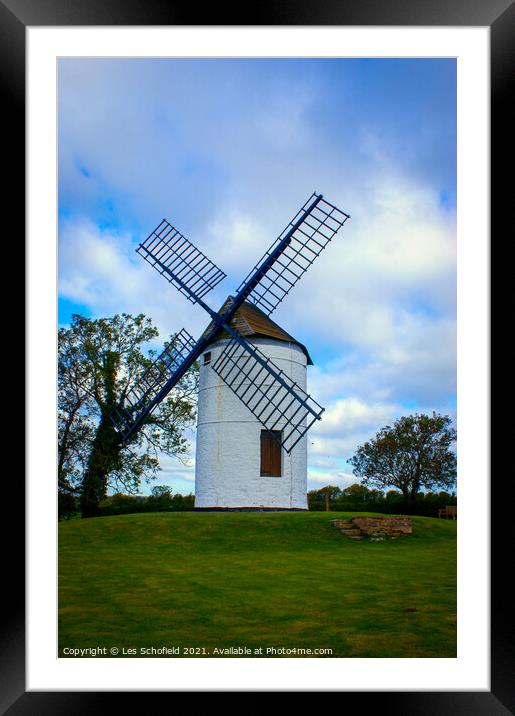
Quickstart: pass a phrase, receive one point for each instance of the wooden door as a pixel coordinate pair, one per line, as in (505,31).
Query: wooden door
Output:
(270,454)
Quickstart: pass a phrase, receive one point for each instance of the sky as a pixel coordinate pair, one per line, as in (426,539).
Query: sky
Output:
(228,150)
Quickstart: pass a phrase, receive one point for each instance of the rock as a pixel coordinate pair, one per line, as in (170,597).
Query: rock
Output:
(351,533)
(376,529)
(383,526)
(342,524)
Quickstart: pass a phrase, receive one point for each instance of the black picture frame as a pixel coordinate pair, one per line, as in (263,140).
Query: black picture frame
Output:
(15,16)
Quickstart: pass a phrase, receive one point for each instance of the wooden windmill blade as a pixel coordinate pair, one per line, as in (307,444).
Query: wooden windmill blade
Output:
(180,262)
(188,269)
(282,407)
(145,394)
(293,252)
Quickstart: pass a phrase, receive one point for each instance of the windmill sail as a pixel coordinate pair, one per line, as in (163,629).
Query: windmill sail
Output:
(141,398)
(179,261)
(303,239)
(273,398)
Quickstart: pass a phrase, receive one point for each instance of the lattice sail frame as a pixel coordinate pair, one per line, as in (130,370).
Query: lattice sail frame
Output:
(306,244)
(153,379)
(179,261)
(271,396)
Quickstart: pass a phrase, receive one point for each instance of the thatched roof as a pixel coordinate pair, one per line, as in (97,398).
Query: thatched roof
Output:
(249,320)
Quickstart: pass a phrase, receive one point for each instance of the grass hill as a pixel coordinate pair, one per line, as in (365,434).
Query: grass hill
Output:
(221,580)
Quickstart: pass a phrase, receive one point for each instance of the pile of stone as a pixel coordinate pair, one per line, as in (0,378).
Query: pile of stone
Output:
(376,529)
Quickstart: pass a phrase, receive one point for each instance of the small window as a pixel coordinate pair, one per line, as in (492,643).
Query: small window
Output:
(207,358)
(270,453)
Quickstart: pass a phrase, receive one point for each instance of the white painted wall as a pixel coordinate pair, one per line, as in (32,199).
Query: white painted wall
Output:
(228,441)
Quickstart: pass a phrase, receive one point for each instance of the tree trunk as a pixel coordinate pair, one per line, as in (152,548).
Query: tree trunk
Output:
(106,447)
(63,447)
(102,460)
(412,495)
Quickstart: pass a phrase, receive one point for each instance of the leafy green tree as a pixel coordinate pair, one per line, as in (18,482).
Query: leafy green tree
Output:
(160,498)
(416,452)
(75,427)
(327,495)
(98,362)
(161,492)
(358,498)
(183,502)
(356,493)
(119,504)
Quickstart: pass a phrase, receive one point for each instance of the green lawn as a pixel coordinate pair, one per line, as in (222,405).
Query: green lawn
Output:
(220,580)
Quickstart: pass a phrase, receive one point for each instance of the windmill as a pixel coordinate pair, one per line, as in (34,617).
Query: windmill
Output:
(263,394)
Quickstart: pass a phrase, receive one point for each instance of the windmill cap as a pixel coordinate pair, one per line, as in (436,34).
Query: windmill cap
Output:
(249,320)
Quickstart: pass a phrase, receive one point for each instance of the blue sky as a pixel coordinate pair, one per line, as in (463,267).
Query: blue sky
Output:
(228,150)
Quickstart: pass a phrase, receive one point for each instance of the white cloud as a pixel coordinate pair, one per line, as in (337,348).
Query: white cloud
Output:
(240,241)
(396,253)
(320,479)
(353,414)
(100,268)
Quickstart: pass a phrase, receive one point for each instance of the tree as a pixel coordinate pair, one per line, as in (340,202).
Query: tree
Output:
(358,498)
(161,498)
(329,493)
(416,452)
(75,428)
(356,493)
(98,361)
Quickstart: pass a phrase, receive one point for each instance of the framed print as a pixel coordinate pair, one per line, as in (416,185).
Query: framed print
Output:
(130,110)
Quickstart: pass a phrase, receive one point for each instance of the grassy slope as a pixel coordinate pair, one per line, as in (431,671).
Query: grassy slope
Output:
(256,579)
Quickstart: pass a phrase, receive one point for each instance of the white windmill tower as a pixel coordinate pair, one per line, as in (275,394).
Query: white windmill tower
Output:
(254,411)
(239,464)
